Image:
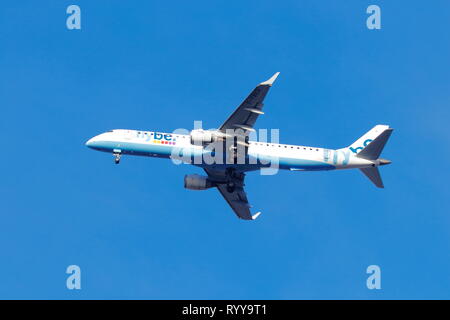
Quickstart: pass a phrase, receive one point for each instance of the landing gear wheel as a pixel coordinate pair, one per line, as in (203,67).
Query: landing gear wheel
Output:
(230,187)
(232,155)
(117,158)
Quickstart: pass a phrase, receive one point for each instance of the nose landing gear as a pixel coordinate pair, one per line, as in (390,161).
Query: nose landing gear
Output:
(117,158)
(116,154)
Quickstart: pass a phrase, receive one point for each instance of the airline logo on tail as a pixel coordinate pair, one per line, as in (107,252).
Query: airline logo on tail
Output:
(367,138)
(356,150)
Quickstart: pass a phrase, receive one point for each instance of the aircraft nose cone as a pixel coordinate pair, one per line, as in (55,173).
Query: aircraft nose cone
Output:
(89,143)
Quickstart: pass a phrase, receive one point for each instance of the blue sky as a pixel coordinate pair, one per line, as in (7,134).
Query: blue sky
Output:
(137,233)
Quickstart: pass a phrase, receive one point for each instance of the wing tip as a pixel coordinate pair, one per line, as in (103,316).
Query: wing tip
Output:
(270,81)
(256,215)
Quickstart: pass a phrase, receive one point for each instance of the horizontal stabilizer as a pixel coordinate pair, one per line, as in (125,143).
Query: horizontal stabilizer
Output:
(373,150)
(374,175)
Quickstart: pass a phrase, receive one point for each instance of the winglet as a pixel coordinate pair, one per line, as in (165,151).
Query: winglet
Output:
(270,81)
(256,215)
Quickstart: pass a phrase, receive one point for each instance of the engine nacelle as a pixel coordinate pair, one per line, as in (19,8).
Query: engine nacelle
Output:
(202,137)
(197,182)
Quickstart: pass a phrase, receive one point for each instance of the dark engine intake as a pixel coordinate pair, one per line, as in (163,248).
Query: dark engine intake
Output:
(202,137)
(197,182)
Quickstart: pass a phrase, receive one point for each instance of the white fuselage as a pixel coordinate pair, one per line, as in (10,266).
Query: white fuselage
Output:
(259,154)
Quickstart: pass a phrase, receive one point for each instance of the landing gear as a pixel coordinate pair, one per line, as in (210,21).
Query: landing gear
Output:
(232,155)
(230,187)
(116,158)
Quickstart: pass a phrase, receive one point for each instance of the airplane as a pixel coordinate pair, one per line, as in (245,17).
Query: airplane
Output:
(240,155)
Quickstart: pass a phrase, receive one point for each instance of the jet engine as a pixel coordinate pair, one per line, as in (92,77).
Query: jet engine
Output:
(202,137)
(197,182)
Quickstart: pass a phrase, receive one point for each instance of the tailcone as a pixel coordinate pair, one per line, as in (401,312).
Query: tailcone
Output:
(383,162)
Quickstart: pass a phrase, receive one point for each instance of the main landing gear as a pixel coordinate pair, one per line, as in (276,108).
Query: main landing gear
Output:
(234,178)
(231,186)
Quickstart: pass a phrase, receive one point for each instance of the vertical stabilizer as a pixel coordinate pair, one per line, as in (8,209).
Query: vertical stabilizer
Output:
(357,146)
(374,148)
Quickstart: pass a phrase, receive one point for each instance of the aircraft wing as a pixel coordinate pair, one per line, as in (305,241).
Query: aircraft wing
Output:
(236,198)
(244,117)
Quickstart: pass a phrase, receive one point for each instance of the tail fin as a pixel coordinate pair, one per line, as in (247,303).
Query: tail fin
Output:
(374,148)
(369,147)
(367,138)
